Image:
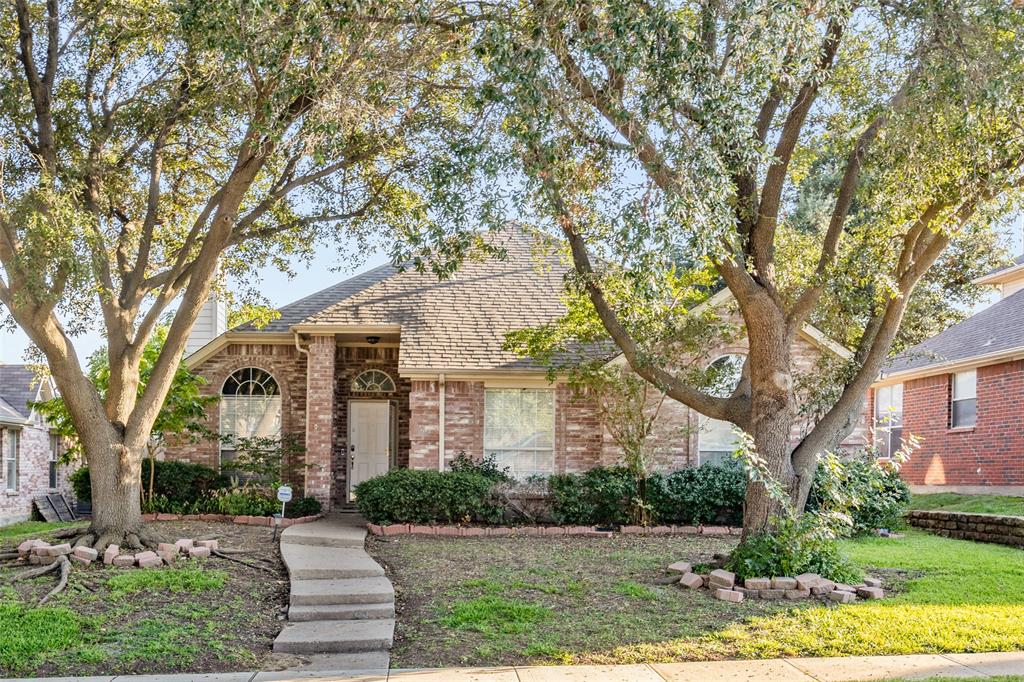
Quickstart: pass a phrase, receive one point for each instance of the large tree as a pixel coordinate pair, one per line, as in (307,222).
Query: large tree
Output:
(662,136)
(153,148)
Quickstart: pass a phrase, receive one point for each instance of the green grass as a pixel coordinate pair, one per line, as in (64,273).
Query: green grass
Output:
(26,634)
(943,595)
(974,504)
(27,529)
(173,579)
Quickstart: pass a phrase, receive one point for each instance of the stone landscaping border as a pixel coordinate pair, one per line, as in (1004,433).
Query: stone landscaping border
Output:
(228,518)
(1001,530)
(548,531)
(723,585)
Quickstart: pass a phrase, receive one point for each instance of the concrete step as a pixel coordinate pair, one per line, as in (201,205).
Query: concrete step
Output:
(328,532)
(310,562)
(301,613)
(335,636)
(376,590)
(350,667)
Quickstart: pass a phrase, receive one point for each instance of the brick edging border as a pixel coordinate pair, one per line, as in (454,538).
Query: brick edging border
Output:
(1001,530)
(267,521)
(547,531)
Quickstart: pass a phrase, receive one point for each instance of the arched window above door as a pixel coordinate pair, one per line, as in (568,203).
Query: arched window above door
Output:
(250,407)
(373,381)
(717,439)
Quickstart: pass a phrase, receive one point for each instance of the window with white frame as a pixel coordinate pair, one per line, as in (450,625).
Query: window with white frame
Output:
(888,419)
(55,450)
(11,438)
(250,407)
(963,411)
(519,429)
(716,439)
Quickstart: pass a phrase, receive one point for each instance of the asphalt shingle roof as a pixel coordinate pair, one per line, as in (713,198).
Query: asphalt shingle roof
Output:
(460,322)
(999,327)
(18,387)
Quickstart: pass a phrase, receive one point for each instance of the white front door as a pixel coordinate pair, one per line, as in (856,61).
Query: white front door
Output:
(369,440)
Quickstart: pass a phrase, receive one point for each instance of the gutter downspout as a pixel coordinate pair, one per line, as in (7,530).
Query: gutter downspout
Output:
(440,421)
(305,469)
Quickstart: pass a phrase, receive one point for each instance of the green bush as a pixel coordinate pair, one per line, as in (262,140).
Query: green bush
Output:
(247,500)
(302,506)
(705,494)
(602,496)
(794,546)
(872,493)
(180,484)
(418,496)
(487,467)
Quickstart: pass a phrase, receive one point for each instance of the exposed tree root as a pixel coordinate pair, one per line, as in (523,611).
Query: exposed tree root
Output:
(4,556)
(65,533)
(222,555)
(35,572)
(135,540)
(65,571)
(84,540)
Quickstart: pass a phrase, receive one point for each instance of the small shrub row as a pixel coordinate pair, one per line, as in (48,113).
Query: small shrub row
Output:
(177,482)
(425,496)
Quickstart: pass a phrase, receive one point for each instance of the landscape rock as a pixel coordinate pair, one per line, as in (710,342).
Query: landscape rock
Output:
(772,594)
(109,554)
(843,587)
(798,594)
(25,548)
(728,595)
(721,578)
(124,560)
(870,592)
(167,547)
(55,550)
(758,583)
(168,556)
(185,543)
(783,583)
(872,582)
(841,596)
(211,544)
(148,559)
(680,567)
(85,554)
(806,581)
(199,552)
(691,581)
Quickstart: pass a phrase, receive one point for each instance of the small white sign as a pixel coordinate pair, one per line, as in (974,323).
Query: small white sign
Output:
(284,494)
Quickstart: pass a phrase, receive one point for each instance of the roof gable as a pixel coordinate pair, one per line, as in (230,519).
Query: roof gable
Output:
(19,386)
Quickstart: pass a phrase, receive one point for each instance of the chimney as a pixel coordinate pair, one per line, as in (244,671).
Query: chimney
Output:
(211,323)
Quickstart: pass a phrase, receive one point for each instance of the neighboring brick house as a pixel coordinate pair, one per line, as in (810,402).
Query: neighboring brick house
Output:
(962,393)
(397,369)
(29,464)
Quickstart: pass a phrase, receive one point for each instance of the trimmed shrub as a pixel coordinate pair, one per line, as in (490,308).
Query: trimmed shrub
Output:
(873,494)
(248,500)
(301,506)
(487,467)
(602,496)
(706,494)
(423,496)
(179,484)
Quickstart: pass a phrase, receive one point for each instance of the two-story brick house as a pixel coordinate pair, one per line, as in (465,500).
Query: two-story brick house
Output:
(962,393)
(394,368)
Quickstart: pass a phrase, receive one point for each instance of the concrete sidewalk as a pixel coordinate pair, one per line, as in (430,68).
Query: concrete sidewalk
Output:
(847,669)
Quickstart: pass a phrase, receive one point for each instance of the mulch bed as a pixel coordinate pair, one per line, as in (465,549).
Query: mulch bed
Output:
(227,628)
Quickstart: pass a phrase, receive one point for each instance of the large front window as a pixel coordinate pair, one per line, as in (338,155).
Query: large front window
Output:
(11,459)
(963,412)
(716,440)
(888,419)
(250,407)
(519,429)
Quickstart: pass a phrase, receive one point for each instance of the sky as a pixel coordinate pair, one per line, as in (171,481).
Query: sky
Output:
(322,272)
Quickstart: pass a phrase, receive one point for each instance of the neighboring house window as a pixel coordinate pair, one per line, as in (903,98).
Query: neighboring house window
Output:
(373,381)
(250,407)
(11,459)
(716,439)
(888,419)
(519,429)
(964,408)
(54,458)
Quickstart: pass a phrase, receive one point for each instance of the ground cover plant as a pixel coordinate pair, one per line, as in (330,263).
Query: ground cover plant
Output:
(972,504)
(499,601)
(196,616)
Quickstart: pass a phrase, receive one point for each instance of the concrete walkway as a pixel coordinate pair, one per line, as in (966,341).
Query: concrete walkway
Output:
(851,669)
(341,610)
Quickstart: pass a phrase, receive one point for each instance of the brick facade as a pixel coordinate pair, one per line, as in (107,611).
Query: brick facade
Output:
(33,473)
(320,380)
(991,453)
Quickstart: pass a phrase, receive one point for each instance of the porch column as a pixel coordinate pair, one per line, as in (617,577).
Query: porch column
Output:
(320,418)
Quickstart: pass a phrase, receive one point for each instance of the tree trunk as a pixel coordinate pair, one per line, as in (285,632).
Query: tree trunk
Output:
(771,443)
(115,472)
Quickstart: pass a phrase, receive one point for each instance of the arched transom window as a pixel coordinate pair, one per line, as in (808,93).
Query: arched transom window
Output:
(250,407)
(373,381)
(717,440)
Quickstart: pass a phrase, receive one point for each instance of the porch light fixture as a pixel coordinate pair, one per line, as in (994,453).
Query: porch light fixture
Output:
(373,340)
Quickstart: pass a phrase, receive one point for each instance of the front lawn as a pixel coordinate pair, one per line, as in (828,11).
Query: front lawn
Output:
(198,616)
(501,601)
(974,504)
